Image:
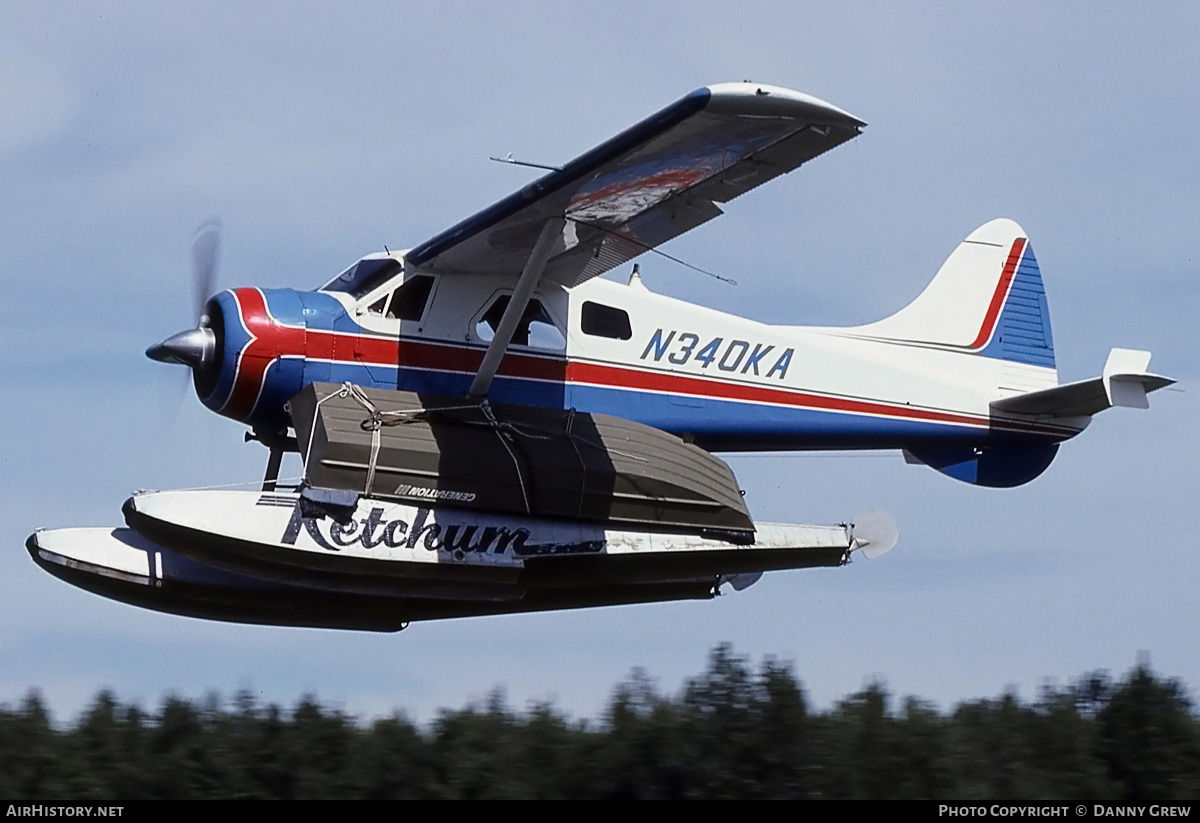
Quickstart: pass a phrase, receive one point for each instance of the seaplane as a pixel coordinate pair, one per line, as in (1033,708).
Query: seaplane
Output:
(488,426)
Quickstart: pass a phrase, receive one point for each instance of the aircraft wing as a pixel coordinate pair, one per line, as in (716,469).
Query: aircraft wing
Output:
(649,184)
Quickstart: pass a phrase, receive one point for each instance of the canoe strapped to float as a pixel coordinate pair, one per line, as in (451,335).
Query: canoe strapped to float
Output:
(515,459)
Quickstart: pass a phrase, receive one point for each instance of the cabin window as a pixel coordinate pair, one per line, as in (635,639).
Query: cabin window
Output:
(599,320)
(535,329)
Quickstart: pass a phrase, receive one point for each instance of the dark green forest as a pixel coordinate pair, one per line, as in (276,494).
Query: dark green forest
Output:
(734,731)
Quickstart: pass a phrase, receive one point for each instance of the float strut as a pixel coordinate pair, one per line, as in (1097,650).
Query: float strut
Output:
(272,475)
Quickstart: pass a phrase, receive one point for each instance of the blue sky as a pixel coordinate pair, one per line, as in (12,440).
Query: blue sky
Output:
(319,133)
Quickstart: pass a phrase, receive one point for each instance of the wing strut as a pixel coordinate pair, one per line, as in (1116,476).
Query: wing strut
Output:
(530,275)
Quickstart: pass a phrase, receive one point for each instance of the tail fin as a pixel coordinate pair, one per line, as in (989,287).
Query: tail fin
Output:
(987,299)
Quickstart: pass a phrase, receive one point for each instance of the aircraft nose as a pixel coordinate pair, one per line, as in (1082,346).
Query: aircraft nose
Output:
(194,347)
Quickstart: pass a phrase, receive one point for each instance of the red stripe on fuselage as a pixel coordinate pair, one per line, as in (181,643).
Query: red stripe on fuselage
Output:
(442,357)
(1000,295)
(271,340)
(610,376)
(616,377)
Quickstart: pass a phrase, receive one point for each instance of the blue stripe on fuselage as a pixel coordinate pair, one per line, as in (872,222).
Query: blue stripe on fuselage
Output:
(716,424)
(735,425)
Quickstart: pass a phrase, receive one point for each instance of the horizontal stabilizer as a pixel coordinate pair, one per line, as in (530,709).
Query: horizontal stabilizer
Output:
(1124,382)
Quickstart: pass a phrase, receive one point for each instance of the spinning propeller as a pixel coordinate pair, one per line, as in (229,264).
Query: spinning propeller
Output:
(196,348)
(874,533)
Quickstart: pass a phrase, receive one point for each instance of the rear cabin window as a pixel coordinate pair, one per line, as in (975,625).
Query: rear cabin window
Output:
(600,320)
(535,328)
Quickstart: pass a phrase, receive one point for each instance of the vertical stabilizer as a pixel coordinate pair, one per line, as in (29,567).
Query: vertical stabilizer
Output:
(987,299)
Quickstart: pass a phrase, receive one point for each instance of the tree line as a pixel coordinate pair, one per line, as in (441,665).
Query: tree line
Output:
(734,731)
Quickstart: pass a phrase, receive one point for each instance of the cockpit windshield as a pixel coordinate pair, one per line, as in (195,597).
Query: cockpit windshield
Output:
(365,276)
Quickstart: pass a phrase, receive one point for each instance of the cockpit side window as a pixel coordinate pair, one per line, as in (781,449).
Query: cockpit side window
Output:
(535,329)
(408,301)
(365,276)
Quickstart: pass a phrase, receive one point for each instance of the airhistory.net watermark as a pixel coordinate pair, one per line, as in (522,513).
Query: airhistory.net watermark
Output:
(46,810)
